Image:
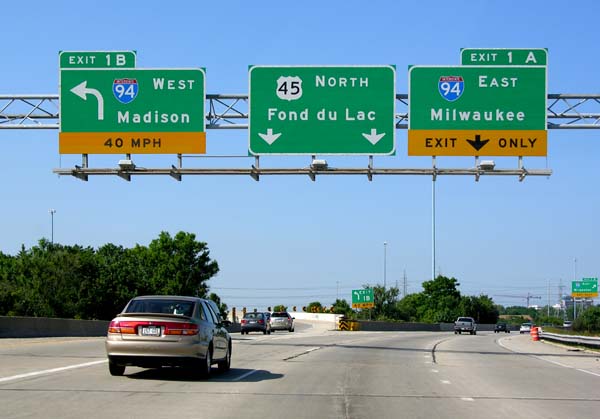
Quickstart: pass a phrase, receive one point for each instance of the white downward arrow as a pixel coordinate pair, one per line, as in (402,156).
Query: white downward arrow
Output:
(82,91)
(373,137)
(269,137)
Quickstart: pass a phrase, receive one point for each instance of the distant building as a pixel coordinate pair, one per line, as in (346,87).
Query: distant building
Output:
(582,303)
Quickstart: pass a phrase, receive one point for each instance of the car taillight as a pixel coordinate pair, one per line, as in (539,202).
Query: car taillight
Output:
(116,326)
(185,329)
(261,322)
(244,321)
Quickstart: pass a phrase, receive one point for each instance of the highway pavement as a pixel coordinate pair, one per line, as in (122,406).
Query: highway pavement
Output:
(315,372)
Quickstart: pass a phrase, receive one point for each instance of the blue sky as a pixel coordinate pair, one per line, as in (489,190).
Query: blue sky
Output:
(306,240)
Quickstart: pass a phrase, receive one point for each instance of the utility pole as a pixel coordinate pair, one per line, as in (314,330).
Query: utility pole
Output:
(548,298)
(404,285)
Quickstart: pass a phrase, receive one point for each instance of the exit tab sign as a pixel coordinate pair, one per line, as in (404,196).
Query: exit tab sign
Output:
(97,59)
(504,56)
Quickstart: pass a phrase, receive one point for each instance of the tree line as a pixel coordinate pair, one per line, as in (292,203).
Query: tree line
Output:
(54,280)
(439,302)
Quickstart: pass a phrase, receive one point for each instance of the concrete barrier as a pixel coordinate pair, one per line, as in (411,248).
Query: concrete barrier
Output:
(28,327)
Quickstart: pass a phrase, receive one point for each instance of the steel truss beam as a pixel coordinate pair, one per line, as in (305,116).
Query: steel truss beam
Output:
(230,111)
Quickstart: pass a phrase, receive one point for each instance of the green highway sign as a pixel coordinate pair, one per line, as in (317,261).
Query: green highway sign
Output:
(120,111)
(363,298)
(477,111)
(97,59)
(504,56)
(587,287)
(322,110)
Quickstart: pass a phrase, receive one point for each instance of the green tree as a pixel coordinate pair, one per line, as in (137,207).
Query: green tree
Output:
(442,299)
(179,265)
(385,300)
(314,307)
(342,307)
(280,307)
(588,321)
(481,308)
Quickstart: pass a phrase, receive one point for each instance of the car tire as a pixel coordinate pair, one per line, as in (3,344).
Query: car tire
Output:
(206,364)
(116,369)
(264,332)
(225,364)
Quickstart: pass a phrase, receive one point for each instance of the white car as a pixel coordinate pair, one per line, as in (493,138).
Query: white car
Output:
(525,328)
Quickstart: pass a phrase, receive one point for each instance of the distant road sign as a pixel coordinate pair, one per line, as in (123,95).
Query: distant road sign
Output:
(363,298)
(586,288)
(141,111)
(322,110)
(504,56)
(97,59)
(477,111)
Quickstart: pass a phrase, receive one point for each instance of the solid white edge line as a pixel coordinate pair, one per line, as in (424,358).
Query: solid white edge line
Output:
(588,372)
(548,360)
(244,375)
(50,371)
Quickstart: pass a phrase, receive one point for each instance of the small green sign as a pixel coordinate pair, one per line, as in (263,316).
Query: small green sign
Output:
(363,298)
(585,286)
(504,56)
(322,110)
(97,59)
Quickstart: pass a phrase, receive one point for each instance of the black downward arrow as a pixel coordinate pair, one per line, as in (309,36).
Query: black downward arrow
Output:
(478,144)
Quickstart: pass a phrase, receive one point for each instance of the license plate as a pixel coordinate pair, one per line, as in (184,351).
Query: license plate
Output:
(151,331)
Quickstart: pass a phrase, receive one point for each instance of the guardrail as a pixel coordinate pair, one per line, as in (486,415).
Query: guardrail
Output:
(578,340)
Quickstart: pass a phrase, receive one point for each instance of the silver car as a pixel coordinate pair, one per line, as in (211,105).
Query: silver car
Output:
(154,331)
(281,320)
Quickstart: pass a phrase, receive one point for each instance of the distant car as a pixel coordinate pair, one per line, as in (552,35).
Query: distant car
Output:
(567,324)
(465,324)
(155,331)
(525,328)
(501,327)
(255,322)
(281,320)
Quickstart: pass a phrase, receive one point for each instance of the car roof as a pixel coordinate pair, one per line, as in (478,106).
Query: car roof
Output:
(167,297)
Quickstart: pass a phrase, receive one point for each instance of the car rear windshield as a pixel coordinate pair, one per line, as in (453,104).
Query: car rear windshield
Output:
(253,316)
(159,306)
(284,314)
(465,319)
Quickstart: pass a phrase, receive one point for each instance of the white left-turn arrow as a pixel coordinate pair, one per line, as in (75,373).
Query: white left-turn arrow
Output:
(269,137)
(373,137)
(82,91)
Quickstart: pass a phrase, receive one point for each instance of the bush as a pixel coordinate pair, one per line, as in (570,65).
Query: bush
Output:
(588,321)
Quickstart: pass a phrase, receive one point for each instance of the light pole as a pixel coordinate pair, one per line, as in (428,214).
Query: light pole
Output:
(384,264)
(52,211)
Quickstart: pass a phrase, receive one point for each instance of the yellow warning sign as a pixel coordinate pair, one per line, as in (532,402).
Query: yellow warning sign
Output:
(477,142)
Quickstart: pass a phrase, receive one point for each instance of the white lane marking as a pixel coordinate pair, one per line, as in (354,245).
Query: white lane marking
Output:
(436,371)
(588,372)
(552,362)
(244,375)
(446,382)
(50,371)
(547,360)
(467,399)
